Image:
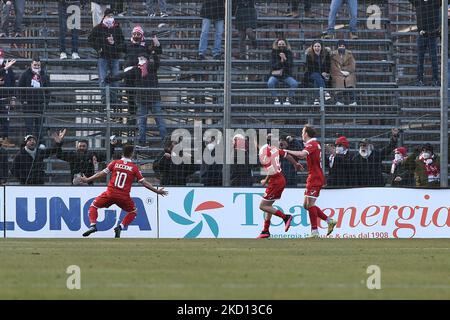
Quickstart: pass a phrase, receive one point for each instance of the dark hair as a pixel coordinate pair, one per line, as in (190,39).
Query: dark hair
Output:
(128,150)
(36,58)
(310,131)
(83,141)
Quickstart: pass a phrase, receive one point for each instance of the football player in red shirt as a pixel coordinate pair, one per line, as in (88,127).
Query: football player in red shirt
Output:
(269,157)
(315,181)
(124,173)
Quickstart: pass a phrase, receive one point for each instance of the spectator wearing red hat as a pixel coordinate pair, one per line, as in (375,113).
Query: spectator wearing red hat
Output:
(427,168)
(402,169)
(7,98)
(340,168)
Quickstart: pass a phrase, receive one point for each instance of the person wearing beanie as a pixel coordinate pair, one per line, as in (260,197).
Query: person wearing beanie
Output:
(402,168)
(343,74)
(334,8)
(7,97)
(108,40)
(28,164)
(339,162)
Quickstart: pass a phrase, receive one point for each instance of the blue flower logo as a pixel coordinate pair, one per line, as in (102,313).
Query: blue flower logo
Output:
(197,229)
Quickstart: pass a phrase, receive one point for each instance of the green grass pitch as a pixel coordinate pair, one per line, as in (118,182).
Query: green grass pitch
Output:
(224,268)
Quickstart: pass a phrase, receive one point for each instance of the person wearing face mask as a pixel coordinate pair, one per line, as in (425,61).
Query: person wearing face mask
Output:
(343,73)
(108,40)
(339,161)
(402,168)
(34,100)
(427,170)
(282,62)
(28,164)
(318,65)
(368,162)
(98,9)
(144,74)
(82,160)
(7,97)
(211,174)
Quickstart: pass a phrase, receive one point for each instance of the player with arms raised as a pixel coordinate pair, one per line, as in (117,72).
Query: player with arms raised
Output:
(269,157)
(124,173)
(315,181)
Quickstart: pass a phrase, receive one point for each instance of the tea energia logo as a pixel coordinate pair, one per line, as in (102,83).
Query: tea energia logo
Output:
(197,229)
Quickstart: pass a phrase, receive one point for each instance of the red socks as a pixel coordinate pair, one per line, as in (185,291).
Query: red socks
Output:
(320,214)
(280,214)
(128,218)
(314,213)
(266,225)
(93,215)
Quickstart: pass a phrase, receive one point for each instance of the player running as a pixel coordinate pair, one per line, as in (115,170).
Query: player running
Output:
(315,181)
(124,172)
(269,157)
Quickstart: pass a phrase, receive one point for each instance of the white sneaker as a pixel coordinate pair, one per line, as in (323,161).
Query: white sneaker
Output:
(287,102)
(316,102)
(152,15)
(277,102)
(164,15)
(63,56)
(339,103)
(314,235)
(354,103)
(75,56)
(327,96)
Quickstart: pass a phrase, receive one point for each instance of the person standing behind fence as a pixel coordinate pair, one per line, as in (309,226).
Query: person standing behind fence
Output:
(108,40)
(282,62)
(339,161)
(72,22)
(427,169)
(428,27)
(7,97)
(402,168)
(34,99)
(212,11)
(246,23)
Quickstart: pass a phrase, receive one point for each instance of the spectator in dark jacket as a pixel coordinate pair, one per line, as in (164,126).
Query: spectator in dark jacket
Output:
(82,161)
(7,97)
(282,62)
(318,66)
(28,164)
(246,23)
(107,39)
(427,167)
(340,167)
(69,20)
(368,166)
(144,75)
(428,27)
(402,169)
(289,171)
(4,171)
(212,11)
(34,100)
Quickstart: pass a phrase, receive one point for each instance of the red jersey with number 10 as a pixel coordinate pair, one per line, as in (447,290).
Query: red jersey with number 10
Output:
(124,173)
(314,160)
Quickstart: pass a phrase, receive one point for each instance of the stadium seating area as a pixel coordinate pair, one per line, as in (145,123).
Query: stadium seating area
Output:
(192,90)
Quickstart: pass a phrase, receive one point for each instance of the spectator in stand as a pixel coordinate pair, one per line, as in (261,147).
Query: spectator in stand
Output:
(368,166)
(34,99)
(107,39)
(151,8)
(212,11)
(19,10)
(402,169)
(74,25)
(82,161)
(343,74)
(339,161)
(295,12)
(282,62)
(144,74)
(246,23)
(318,67)
(211,174)
(28,164)
(290,143)
(428,27)
(7,97)
(6,16)
(427,169)
(334,8)
(4,165)
(98,9)
(241,169)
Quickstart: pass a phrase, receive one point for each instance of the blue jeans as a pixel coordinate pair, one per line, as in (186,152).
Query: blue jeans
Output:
(429,43)
(62,13)
(317,80)
(151,6)
(203,44)
(5,18)
(103,66)
(142,110)
(334,8)
(291,82)
(19,9)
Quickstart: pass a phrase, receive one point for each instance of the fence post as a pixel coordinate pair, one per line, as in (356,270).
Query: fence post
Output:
(108,124)
(444,95)
(322,125)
